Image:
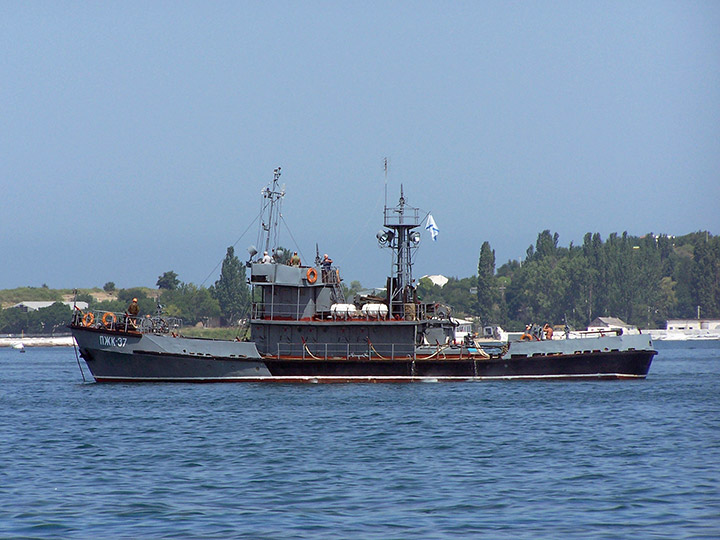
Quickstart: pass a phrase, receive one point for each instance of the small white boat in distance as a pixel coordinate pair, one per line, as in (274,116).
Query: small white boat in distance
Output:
(19,346)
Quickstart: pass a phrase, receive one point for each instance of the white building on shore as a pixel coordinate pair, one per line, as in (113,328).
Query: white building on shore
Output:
(34,306)
(688,329)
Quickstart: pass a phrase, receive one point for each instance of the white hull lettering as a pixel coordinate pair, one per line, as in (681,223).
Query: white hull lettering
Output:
(112,341)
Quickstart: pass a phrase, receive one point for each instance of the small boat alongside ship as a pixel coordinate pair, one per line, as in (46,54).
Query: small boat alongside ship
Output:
(303,329)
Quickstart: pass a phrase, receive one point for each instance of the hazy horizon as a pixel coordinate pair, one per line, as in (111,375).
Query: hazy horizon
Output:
(136,138)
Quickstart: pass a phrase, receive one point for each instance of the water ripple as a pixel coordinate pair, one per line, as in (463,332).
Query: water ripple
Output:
(497,459)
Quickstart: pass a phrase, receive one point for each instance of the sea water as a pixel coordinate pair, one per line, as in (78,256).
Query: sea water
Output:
(520,459)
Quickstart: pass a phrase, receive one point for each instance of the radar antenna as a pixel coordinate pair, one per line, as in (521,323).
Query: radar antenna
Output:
(398,235)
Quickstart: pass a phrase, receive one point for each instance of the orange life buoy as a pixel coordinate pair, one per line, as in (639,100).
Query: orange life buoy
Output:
(311,275)
(88,318)
(106,319)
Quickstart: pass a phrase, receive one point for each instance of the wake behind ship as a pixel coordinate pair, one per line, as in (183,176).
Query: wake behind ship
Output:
(304,330)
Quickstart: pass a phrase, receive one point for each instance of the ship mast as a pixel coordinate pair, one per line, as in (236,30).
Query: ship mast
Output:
(399,236)
(272,203)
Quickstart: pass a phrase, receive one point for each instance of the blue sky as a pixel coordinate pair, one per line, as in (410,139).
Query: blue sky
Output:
(135,137)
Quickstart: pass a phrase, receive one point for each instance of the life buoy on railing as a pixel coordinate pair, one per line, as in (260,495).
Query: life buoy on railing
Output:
(311,275)
(106,319)
(88,319)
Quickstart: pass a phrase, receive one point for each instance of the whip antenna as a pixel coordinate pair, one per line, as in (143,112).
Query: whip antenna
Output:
(386,171)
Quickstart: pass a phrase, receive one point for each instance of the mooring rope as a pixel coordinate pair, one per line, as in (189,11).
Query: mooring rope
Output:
(480,351)
(439,350)
(78,360)
(308,351)
(372,348)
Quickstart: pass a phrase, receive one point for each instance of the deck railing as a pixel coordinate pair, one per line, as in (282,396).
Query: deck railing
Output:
(339,312)
(349,351)
(123,322)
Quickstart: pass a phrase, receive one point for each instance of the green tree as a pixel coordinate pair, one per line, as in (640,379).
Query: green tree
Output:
(667,300)
(355,287)
(643,280)
(109,287)
(14,321)
(282,255)
(86,297)
(486,283)
(427,291)
(682,275)
(53,317)
(546,244)
(43,321)
(147,305)
(191,303)
(168,281)
(706,275)
(456,293)
(592,298)
(231,290)
(647,280)
(577,285)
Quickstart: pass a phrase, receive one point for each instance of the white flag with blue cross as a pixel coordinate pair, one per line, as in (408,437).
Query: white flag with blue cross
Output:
(432,227)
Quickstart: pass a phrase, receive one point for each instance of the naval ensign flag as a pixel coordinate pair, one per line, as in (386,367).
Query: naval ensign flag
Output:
(432,227)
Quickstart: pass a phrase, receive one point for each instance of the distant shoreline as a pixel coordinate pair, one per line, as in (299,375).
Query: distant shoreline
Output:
(29,341)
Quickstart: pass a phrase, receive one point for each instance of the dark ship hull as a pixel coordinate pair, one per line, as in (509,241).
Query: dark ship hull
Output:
(134,357)
(627,365)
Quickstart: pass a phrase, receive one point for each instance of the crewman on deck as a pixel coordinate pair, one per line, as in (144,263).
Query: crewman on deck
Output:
(326,265)
(295,259)
(548,331)
(528,334)
(266,259)
(133,310)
